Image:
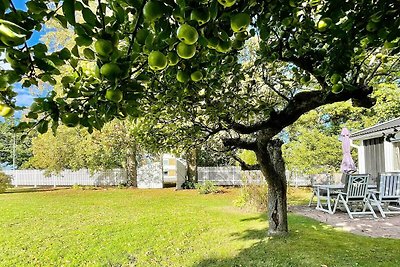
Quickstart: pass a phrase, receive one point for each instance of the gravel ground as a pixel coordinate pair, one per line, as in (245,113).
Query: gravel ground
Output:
(388,227)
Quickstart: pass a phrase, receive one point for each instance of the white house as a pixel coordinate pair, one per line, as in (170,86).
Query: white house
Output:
(379,149)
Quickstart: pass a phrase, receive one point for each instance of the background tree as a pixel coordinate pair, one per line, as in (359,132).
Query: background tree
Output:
(7,139)
(313,145)
(73,148)
(310,53)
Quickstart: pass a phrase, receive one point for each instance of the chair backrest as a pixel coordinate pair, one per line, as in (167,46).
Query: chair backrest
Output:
(389,185)
(357,186)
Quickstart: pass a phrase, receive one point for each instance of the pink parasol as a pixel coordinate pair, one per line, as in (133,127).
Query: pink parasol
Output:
(347,165)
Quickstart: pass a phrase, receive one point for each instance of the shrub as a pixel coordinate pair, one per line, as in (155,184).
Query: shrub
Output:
(207,188)
(5,181)
(189,185)
(253,196)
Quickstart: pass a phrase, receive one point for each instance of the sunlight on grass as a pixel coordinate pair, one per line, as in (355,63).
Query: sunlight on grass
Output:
(166,228)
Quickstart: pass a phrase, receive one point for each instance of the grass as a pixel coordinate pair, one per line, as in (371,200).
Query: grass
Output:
(125,227)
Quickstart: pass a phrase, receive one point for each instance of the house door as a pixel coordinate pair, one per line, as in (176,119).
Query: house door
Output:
(374,156)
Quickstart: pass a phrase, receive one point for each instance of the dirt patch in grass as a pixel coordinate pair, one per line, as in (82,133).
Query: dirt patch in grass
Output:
(388,227)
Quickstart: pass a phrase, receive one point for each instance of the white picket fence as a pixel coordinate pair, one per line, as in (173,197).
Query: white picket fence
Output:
(233,175)
(67,178)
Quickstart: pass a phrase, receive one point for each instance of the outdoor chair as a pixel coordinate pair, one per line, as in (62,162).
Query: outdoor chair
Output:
(354,195)
(387,195)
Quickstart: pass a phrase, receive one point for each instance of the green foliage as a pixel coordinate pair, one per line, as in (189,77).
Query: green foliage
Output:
(189,185)
(5,182)
(22,145)
(253,196)
(314,146)
(208,187)
(248,156)
(74,148)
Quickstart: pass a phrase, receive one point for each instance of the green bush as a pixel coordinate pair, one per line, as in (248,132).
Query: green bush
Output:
(5,182)
(207,188)
(253,196)
(189,185)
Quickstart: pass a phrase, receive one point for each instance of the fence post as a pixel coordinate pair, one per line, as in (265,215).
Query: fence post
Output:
(35,183)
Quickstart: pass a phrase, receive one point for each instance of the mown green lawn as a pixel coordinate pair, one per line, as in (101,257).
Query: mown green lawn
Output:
(126,227)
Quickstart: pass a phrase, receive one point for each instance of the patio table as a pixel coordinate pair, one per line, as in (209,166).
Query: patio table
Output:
(326,195)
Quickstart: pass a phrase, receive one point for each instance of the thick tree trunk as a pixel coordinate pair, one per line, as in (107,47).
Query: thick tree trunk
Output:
(131,164)
(191,161)
(269,156)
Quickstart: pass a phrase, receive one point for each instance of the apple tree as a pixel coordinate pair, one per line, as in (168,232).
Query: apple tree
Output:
(186,61)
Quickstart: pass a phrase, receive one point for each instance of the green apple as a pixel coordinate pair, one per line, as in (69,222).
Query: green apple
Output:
(242,36)
(324,24)
(335,78)
(110,71)
(305,79)
(103,47)
(178,15)
(173,58)
(153,10)
(187,34)
(212,42)
(224,46)
(227,3)
(185,51)
(157,60)
(141,36)
(371,26)
(6,111)
(182,76)
(114,95)
(240,22)
(337,88)
(229,59)
(196,76)
(200,15)
(70,119)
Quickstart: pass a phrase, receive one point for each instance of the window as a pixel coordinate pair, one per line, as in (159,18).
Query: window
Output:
(396,156)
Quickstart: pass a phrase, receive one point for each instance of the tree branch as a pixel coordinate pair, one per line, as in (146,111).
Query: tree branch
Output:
(244,165)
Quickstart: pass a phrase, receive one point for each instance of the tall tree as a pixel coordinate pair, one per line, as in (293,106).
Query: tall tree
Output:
(13,148)
(183,58)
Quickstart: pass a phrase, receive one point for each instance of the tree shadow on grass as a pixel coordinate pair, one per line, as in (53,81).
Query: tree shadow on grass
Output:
(309,243)
(16,190)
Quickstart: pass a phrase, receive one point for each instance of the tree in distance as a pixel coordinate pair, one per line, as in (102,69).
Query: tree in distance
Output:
(196,76)
(187,34)
(157,60)
(240,22)
(153,10)
(115,96)
(182,76)
(70,119)
(110,70)
(103,47)
(185,51)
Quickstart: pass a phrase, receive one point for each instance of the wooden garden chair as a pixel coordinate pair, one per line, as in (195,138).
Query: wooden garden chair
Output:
(387,195)
(354,195)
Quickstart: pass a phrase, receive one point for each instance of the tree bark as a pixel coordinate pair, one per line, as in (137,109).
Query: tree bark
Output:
(269,156)
(191,162)
(131,163)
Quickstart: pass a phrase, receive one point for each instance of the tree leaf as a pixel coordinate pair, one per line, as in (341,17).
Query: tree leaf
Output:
(68,8)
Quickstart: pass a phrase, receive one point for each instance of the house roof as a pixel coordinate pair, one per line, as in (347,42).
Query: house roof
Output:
(377,130)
